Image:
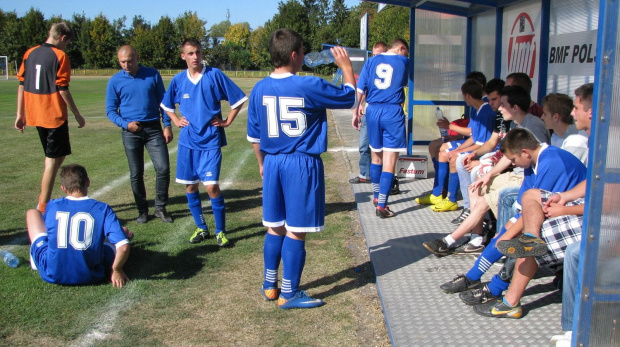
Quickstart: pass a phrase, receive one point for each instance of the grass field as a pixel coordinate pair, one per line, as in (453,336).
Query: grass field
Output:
(179,294)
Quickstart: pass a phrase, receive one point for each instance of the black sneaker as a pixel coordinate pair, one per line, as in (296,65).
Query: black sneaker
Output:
(468,248)
(438,247)
(459,284)
(162,214)
(358,179)
(143,217)
(523,246)
(498,309)
(461,218)
(395,187)
(384,212)
(477,296)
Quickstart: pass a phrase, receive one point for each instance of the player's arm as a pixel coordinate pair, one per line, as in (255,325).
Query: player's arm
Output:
(68,98)
(20,118)
(488,146)
(358,112)
(160,91)
(501,165)
(259,157)
(229,119)
(119,278)
(513,231)
(341,57)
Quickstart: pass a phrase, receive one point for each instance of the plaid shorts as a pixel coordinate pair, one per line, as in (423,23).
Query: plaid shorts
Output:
(559,232)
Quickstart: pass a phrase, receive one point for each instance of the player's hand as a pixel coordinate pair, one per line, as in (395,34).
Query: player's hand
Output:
(119,278)
(260,169)
(355,120)
(472,164)
(218,122)
(469,157)
(341,58)
(480,183)
(128,233)
(555,198)
(554,210)
(182,122)
(80,120)
(168,136)
(134,127)
(443,123)
(20,123)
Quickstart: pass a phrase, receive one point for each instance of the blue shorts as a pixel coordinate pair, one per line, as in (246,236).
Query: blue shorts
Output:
(294,192)
(386,128)
(195,166)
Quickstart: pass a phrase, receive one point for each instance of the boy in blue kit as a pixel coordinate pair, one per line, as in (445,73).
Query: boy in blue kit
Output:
(546,167)
(287,125)
(382,79)
(70,241)
(199,91)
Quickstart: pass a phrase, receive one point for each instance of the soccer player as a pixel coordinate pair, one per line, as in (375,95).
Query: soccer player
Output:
(78,240)
(42,99)
(199,91)
(382,80)
(132,103)
(287,125)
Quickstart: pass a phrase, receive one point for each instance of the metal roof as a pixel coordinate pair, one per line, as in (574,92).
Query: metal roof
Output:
(465,8)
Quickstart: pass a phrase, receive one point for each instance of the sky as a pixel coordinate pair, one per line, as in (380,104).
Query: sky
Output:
(255,12)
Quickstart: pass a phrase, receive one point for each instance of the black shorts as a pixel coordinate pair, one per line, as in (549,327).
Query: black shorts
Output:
(55,141)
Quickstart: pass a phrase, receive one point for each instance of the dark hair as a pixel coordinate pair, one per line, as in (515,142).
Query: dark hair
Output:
(398,41)
(57,30)
(478,76)
(518,139)
(191,42)
(521,79)
(517,96)
(494,85)
(281,44)
(584,93)
(473,88)
(74,178)
(561,104)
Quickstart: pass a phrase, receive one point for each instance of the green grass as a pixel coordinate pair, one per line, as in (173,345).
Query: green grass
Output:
(179,294)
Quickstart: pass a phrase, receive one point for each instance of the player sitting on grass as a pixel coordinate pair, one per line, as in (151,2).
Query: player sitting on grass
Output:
(78,240)
(287,125)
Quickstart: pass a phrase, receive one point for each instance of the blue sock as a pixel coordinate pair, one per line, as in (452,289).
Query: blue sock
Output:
(375,178)
(435,166)
(453,186)
(219,213)
(442,175)
(195,207)
(489,256)
(385,186)
(506,302)
(272,253)
(497,285)
(293,261)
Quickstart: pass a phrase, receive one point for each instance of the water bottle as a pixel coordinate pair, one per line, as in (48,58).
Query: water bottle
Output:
(439,116)
(9,258)
(314,59)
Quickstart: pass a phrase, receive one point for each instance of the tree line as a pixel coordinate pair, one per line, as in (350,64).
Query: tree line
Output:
(226,45)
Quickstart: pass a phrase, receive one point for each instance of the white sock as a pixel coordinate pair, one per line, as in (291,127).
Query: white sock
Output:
(449,240)
(476,240)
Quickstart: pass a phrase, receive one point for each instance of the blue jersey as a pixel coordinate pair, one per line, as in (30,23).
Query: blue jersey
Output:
(482,124)
(76,231)
(287,113)
(383,77)
(199,102)
(556,171)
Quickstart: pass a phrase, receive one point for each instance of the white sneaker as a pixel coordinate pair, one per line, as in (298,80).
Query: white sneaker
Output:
(562,340)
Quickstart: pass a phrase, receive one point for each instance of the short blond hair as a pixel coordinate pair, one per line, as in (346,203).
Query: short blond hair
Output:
(61,29)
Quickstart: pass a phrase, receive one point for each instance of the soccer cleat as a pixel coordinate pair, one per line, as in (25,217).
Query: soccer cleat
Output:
(499,309)
(358,179)
(143,217)
(477,296)
(375,201)
(445,205)
(221,239)
(438,247)
(464,214)
(468,248)
(429,199)
(199,235)
(459,284)
(384,212)
(270,293)
(162,214)
(523,246)
(300,300)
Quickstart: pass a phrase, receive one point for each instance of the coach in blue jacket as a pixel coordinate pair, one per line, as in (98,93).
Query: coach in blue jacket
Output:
(132,103)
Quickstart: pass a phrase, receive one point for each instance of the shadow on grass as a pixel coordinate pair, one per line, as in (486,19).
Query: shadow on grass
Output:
(11,236)
(357,276)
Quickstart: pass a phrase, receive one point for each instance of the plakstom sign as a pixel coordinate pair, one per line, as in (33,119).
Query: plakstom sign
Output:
(572,54)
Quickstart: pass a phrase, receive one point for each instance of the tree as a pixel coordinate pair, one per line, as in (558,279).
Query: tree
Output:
(34,28)
(82,41)
(259,48)
(9,44)
(218,31)
(165,44)
(391,23)
(104,40)
(238,34)
(294,16)
(188,25)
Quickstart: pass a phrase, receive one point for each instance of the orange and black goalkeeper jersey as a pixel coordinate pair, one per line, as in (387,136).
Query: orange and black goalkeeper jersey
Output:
(45,71)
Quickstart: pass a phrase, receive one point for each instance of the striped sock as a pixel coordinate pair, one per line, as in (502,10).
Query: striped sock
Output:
(375,178)
(293,259)
(272,253)
(387,178)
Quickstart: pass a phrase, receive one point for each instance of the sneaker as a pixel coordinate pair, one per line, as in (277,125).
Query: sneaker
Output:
(199,235)
(523,246)
(270,293)
(461,218)
(429,199)
(468,248)
(300,300)
(143,217)
(445,205)
(395,187)
(499,309)
(438,247)
(358,179)
(477,296)
(221,239)
(162,214)
(384,212)
(375,201)
(459,284)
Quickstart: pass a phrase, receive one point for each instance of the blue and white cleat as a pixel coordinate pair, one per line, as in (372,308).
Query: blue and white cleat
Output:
(300,300)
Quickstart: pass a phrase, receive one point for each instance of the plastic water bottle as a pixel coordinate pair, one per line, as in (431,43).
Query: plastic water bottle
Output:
(314,59)
(439,115)
(9,258)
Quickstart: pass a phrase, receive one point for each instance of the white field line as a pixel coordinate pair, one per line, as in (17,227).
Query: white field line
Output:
(119,303)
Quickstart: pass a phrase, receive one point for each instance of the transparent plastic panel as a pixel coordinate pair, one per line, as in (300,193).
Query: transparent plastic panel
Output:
(613,119)
(424,127)
(605,324)
(608,262)
(483,44)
